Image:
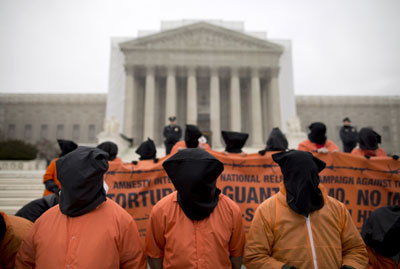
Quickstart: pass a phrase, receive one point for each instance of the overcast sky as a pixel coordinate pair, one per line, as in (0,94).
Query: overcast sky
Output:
(340,47)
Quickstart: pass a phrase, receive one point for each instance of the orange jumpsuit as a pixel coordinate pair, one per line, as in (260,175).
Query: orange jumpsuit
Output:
(184,243)
(328,237)
(51,173)
(16,229)
(379,152)
(106,237)
(307,145)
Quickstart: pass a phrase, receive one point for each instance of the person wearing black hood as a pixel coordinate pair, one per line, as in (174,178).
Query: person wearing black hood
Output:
(172,134)
(301,226)
(368,141)
(34,209)
(192,135)
(348,135)
(86,229)
(148,154)
(234,142)
(196,226)
(111,149)
(317,140)
(381,233)
(276,142)
(52,185)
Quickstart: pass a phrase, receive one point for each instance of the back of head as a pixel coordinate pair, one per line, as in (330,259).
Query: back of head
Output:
(66,146)
(81,176)
(317,133)
(368,139)
(192,135)
(111,148)
(147,150)
(300,176)
(381,231)
(194,173)
(277,141)
(234,141)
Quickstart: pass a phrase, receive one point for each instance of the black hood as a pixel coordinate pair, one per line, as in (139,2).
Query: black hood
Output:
(81,176)
(234,141)
(66,146)
(147,150)
(194,173)
(381,231)
(277,141)
(109,147)
(317,133)
(192,135)
(368,139)
(300,176)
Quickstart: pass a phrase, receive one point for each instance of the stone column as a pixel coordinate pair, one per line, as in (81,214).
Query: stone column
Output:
(191,108)
(149,104)
(170,106)
(129,102)
(274,101)
(215,115)
(235,115)
(256,124)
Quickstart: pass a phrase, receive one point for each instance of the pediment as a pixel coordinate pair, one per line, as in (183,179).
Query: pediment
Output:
(201,36)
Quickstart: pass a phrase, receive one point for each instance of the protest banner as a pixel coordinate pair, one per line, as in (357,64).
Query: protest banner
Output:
(361,184)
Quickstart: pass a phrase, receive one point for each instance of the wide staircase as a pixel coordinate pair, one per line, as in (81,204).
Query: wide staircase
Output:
(17,188)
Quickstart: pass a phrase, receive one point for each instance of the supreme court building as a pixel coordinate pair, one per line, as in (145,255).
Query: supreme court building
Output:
(211,74)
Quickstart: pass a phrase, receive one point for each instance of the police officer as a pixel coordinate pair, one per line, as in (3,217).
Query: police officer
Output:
(348,135)
(172,134)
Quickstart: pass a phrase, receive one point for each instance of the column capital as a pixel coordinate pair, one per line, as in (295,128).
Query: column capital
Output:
(150,70)
(170,70)
(129,69)
(255,72)
(191,71)
(214,71)
(234,71)
(274,71)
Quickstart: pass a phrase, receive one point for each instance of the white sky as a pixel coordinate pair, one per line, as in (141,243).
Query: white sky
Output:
(340,47)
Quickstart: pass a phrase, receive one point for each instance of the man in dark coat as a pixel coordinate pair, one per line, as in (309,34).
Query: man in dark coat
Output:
(172,134)
(348,135)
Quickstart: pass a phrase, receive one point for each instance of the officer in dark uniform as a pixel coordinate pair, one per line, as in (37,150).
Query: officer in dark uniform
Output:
(172,134)
(348,135)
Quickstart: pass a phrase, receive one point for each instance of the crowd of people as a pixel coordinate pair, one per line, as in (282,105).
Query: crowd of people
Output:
(75,225)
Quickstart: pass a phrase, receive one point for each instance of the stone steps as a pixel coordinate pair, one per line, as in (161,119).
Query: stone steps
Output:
(17,188)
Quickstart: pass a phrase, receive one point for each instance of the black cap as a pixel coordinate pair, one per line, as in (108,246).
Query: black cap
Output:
(172,118)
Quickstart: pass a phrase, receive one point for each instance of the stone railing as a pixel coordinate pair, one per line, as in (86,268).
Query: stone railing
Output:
(23,165)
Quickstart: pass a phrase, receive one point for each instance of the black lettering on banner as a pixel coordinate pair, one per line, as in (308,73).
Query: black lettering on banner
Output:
(121,200)
(338,194)
(363,215)
(249,214)
(393,198)
(248,195)
(364,197)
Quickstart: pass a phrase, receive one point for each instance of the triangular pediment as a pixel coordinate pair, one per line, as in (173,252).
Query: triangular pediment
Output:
(201,36)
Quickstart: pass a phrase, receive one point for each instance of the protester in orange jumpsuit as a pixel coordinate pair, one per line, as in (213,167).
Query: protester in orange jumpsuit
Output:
(112,149)
(300,226)
(368,141)
(50,180)
(148,155)
(234,142)
(317,141)
(381,233)
(192,135)
(276,142)
(196,226)
(12,231)
(86,230)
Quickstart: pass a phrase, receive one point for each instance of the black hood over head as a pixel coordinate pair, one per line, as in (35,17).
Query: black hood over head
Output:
(368,139)
(234,141)
(277,141)
(111,148)
(194,173)
(81,176)
(147,150)
(66,146)
(192,135)
(300,176)
(381,231)
(317,133)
